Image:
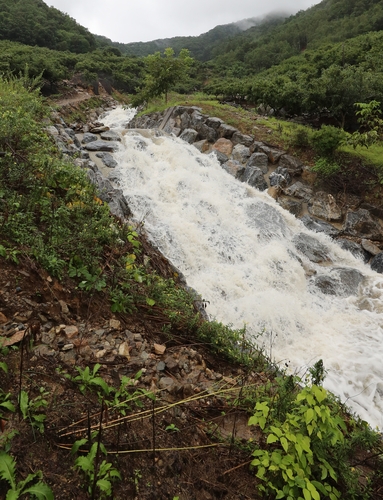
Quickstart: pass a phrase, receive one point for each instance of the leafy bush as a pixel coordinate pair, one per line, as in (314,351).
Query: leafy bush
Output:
(298,462)
(327,140)
(325,167)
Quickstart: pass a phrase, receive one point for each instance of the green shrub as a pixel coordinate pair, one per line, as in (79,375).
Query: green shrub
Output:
(327,140)
(325,167)
(298,461)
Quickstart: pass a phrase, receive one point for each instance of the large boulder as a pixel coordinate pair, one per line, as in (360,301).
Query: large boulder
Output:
(102,146)
(313,249)
(240,153)
(377,263)
(362,224)
(234,168)
(224,146)
(342,281)
(189,135)
(324,206)
(293,165)
(280,177)
(254,177)
(319,226)
(299,190)
(110,135)
(259,160)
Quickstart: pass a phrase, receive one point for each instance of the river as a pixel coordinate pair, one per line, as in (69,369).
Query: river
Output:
(243,254)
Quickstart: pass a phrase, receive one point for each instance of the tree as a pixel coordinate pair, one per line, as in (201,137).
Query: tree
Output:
(162,73)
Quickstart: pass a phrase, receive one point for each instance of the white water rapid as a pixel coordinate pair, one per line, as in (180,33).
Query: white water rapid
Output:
(243,254)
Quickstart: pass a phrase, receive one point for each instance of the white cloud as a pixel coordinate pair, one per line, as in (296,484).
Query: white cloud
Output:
(144,20)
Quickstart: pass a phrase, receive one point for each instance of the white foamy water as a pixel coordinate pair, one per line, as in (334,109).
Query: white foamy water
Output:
(235,246)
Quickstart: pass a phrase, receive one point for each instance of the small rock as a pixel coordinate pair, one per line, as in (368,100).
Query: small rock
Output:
(124,350)
(71,331)
(160,366)
(67,347)
(370,247)
(115,324)
(166,383)
(159,349)
(15,339)
(171,363)
(100,353)
(64,307)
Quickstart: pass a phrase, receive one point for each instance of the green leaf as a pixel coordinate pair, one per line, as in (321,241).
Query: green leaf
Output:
(309,415)
(8,405)
(77,444)
(4,367)
(306,494)
(41,491)
(12,495)
(271,438)
(84,464)
(150,302)
(24,400)
(284,444)
(7,469)
(104,485)
(101,383)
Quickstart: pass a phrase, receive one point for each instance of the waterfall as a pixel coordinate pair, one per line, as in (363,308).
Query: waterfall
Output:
(257,264)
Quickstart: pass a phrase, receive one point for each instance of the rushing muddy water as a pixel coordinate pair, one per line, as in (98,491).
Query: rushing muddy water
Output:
(258,265)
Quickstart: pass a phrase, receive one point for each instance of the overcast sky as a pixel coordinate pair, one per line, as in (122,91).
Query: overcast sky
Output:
(144,20)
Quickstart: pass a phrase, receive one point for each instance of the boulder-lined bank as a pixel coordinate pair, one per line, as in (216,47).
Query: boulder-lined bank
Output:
(357,226)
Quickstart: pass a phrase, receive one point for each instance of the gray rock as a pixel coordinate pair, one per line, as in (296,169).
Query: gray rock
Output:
(311,248)
(234,168)
(362,224)
(343,282)
(197,120)
(102,146)
(221,157)
(227,131)
(189,135)
(293,165)
(88,137)
(323,205)
(208,133)
(299,190)
(353,247)
(259,160)
(257,146)
(110,135)
(254,177)
(185,120)
(160,366)
(377,263)
(319,226)
(214,122)
(280,177)
(166,383)
(273,155)
(239,138)
(202,145)
(376,211)
(107,160)
(240,153)
(293,205)
(369,247)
